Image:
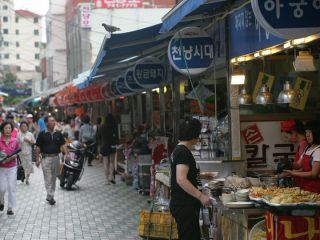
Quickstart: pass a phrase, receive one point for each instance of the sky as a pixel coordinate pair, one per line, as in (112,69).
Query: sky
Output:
(38,6)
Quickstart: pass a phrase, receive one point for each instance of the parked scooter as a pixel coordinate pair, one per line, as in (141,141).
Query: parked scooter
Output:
(72,169)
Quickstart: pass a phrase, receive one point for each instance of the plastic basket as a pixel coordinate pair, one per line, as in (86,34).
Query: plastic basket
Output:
(157,225)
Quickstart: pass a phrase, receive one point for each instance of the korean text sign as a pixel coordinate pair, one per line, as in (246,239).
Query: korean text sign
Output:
(118,3)
(191,51)
(85,16)
(149,72)
(288,18)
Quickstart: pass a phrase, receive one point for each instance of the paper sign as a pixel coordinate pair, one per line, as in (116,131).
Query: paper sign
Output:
(263,79)
(302,87)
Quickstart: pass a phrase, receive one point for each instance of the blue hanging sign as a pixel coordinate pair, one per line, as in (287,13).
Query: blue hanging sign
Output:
(246,35)
(190,51)
(122,88)
(113,88)
(130,81)
(149,72)
(288,19)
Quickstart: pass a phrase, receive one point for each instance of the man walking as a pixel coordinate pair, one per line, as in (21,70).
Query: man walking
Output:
(49,144)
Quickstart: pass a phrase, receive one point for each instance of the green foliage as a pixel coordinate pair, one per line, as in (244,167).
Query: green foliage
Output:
(9,80)
(11,101)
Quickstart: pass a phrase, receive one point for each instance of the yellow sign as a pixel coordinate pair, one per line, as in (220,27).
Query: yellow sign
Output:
(263,79)
(302,87)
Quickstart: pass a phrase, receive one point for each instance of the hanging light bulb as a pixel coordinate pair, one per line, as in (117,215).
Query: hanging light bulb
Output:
(288,95)
(264,96)
(244,97)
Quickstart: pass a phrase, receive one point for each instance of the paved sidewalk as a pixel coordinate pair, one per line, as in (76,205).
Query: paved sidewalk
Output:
(95,211)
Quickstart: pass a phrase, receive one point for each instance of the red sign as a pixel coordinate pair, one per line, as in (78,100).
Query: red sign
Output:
(252,134)
(292,228)
(118,3)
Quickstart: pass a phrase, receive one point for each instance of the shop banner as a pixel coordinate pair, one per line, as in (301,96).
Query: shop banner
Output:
(122,88)
(263,145)
(118,3)
(246,35)
(191,51)
(288,19)
(149,72)
(130,81)
(85,10)
(263,79)
(302,87)
(292,227)
(114,89)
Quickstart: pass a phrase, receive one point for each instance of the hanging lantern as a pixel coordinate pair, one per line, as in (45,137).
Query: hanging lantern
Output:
(288,95)
(244,97)
(264,96)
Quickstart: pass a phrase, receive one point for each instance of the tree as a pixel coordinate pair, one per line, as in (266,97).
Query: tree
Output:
(9,80)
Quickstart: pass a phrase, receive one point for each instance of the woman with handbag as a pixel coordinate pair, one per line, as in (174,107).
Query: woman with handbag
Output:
(26,141)
(8,167)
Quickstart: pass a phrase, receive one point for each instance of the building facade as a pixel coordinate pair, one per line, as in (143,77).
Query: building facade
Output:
(21,37)
(56,44)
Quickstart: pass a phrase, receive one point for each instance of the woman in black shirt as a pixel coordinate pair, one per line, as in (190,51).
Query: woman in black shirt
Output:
(186,199)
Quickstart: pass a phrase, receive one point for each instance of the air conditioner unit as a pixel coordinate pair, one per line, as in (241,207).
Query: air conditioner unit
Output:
(304,62)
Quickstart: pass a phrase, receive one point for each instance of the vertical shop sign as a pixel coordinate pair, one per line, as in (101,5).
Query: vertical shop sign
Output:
(288,19)
(149,72)
(122,88)
(130,81)
(246,35)
(85,10)
(191,51)
(263,79)
(302,87)
(118,3)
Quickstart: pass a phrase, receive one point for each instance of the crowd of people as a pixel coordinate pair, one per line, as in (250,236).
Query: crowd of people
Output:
(42,141)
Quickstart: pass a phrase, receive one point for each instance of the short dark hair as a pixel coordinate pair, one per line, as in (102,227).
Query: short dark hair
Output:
(86,119)
(24,122)
(46,118)
(314,127)
(189,128)
(66,120)
(4,124)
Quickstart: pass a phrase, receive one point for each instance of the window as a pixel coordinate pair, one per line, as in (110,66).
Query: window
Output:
(17,32)
(6,44)
(5,31)
(35,20)
(5,19)
(18,56)
(36,44)
(36,32)
(36,56)
(5,7)
(6,56)
(17,44)
(17,19)
(37,68)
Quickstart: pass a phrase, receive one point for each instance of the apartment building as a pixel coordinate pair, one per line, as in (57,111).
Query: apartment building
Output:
(21,38)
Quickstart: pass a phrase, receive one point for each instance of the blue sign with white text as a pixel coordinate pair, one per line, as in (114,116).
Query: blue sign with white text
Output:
(130,82)
(113,87)
(246,35)
(122,88)
(288,18)
(149,72)
(191,51)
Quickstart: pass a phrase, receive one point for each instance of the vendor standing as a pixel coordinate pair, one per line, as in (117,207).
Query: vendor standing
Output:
(186,199)
(308,166)
(296,134)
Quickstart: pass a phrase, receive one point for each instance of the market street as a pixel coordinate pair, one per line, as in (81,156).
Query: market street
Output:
(95,211)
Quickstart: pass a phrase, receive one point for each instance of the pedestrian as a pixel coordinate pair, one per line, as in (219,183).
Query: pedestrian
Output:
(49,144)
(186,199)
(15,131)
(8,168)
(26,141)
(109,139)
(67,129)
(97,130)
(32,127)
(87,136)
(41,123)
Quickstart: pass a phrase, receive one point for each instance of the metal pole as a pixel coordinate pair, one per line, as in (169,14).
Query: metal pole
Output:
(176,106)
(162,111)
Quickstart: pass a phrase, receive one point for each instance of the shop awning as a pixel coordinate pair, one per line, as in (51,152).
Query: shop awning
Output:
(121,51)
(189,8)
